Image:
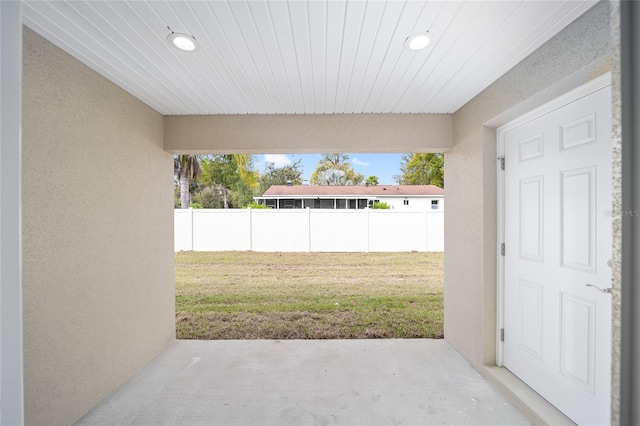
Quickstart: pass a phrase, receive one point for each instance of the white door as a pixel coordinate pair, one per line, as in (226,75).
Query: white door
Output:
(558,227)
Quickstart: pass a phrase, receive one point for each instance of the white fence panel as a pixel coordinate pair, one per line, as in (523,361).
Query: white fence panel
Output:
(280,230)
(182,229)
(435,231)
(397,231)
(338,231)
(308,230)
(220,230)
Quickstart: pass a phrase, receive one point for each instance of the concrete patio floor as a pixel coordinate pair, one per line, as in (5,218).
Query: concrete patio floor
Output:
(306,382)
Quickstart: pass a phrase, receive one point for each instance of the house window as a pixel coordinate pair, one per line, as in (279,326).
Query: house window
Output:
(290,204)
(406,202)
(341,204)
(270,203)
(323,204)
(434,205)
(326,204)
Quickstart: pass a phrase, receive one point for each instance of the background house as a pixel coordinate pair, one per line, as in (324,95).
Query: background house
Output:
(400,197)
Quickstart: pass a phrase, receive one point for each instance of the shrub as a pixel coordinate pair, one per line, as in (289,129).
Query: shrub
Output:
(255,205)
(381,205)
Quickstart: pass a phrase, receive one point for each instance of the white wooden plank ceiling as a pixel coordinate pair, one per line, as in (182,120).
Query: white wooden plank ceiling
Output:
(301,57)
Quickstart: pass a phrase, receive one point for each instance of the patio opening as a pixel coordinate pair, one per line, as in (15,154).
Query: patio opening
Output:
(309,246)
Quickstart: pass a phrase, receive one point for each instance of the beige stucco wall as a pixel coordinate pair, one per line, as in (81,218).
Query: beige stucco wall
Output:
(97,241)
(272,134)
(617,417)
(575,56)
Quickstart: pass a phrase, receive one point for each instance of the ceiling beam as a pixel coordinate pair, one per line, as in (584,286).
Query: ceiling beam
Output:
(298,134)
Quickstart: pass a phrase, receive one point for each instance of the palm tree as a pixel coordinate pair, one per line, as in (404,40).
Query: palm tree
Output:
(335,161)
(185,167)
(244,164)
(371,181)
(332,177)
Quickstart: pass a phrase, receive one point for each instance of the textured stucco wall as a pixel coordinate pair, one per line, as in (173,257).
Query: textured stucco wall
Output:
(616,258)
(576,55)
(97,235)
(224,134)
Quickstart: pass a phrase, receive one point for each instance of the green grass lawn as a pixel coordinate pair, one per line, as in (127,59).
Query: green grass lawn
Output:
(250,295)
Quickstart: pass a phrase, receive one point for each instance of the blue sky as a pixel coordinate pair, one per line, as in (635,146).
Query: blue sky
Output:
(384,166)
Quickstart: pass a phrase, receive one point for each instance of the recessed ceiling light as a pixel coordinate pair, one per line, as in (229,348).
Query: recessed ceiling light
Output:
(183,41)
(418,41)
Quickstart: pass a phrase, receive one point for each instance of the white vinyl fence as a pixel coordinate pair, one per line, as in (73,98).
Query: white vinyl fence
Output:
(308,230)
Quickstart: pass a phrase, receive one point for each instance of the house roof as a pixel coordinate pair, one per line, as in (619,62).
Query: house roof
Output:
(351,190)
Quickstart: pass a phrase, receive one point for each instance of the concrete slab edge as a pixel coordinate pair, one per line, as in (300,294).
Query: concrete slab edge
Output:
(532,405)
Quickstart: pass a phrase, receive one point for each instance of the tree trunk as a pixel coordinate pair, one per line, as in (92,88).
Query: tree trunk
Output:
(184,191)
(226,201)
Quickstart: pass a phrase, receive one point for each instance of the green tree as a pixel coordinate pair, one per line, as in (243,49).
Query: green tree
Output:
(208,197)
(334,169)
(281,175)
(230,178)
(372,181)
(422,169)
(186,168)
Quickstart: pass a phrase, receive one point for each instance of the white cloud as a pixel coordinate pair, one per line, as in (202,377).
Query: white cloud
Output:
(357,162)
(278,160)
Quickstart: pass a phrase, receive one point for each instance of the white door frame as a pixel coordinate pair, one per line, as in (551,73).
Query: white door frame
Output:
(11,362)
(572,96)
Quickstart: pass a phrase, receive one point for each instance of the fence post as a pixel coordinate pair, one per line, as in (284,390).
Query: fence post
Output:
(191,225)
(308,230)
(366,215)
(250,218)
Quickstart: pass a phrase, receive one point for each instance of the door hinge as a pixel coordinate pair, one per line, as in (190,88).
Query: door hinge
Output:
(501,162)
(502,249)
(502,334)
